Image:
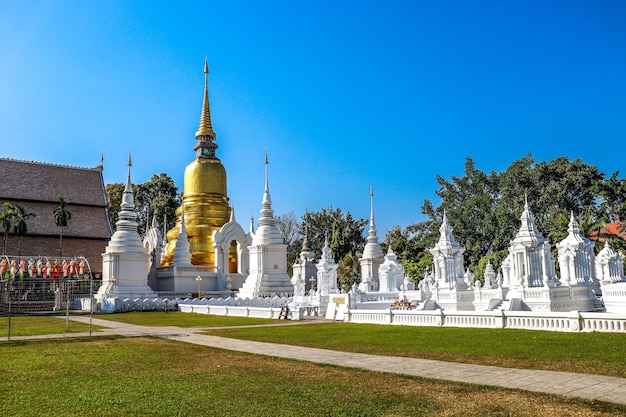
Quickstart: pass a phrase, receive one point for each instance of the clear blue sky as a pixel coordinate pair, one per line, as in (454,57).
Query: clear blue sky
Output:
(343,94)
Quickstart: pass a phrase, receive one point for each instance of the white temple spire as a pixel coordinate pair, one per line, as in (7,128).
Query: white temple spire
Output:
(267,231)
(182,254)
(372,238)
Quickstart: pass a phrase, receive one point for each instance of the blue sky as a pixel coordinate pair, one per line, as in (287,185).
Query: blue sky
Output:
(343,94)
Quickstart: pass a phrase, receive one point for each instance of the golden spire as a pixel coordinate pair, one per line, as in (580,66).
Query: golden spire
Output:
(205,135)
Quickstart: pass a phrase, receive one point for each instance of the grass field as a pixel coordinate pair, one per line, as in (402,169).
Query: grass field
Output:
(38,325)
(596,353)
(176,318)
(114,376)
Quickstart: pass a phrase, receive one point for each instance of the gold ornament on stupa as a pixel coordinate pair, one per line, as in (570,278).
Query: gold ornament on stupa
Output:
(204,194)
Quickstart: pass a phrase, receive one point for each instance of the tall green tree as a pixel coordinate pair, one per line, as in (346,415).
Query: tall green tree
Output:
(7,216)
(158,195)
(62,215)
(21,227)
(470,203)
(348,272)
(345,234)
(409,245)
(484,209)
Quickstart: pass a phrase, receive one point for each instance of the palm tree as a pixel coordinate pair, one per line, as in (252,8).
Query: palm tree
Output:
(61,216)
(20,224)
(6,219)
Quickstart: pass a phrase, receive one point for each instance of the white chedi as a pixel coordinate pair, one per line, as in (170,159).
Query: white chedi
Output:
(373,255)
(448,259)
(391,273)
(327,272)
(268,256)
(576,257)
(609,265)
(530,262)
(125,262)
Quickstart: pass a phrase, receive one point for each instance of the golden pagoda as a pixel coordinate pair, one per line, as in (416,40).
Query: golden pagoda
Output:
(205,201)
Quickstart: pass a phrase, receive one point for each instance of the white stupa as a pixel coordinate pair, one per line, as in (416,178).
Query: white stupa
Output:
(576,257)
(530,263)
(373,255)
(327,272)
(125,262)
(391,273)
(448,259)
(268,255)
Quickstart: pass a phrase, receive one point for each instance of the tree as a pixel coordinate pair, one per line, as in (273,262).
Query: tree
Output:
(6,219)
(612,195)
(484,209)
(158,195)
(409,247)
(290,230)
(114,193)
(470,203)
(62,215)
(21,228)
(345,234)
(348,272)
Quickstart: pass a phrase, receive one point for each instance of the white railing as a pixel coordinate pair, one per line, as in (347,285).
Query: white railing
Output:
(553,321)
(232,311)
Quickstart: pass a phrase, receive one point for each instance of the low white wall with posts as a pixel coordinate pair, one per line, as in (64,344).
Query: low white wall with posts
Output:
(261,308)
(554,321)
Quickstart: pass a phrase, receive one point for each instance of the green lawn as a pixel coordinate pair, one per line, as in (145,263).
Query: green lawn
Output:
(114,376)
(38,325)
(597,353)
(176,318)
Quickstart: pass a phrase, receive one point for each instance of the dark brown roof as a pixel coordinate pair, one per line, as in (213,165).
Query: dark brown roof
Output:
(37,187)
(27,180)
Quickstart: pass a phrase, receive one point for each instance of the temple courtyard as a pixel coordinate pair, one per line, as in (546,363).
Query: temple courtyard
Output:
(315,383)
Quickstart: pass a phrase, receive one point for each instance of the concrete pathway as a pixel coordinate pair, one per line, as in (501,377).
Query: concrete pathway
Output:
(592,387)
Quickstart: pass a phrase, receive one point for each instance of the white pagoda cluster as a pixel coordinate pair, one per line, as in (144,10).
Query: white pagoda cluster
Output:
(528,280)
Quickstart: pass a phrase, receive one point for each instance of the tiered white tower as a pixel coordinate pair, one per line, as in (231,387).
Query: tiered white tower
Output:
(391,273)
(125,262)
(327,272)
(182,255)
(268,255)
(610,272)
(450,290)
(530,261)
(373,255)
(304,268)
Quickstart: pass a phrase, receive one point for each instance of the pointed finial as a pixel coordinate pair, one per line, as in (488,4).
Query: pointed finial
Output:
(102,160)
(130,162)
(371,191)
(205,135)
(267,186)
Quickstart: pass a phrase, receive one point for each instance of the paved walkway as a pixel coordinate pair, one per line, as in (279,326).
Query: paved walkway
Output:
(593,387)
